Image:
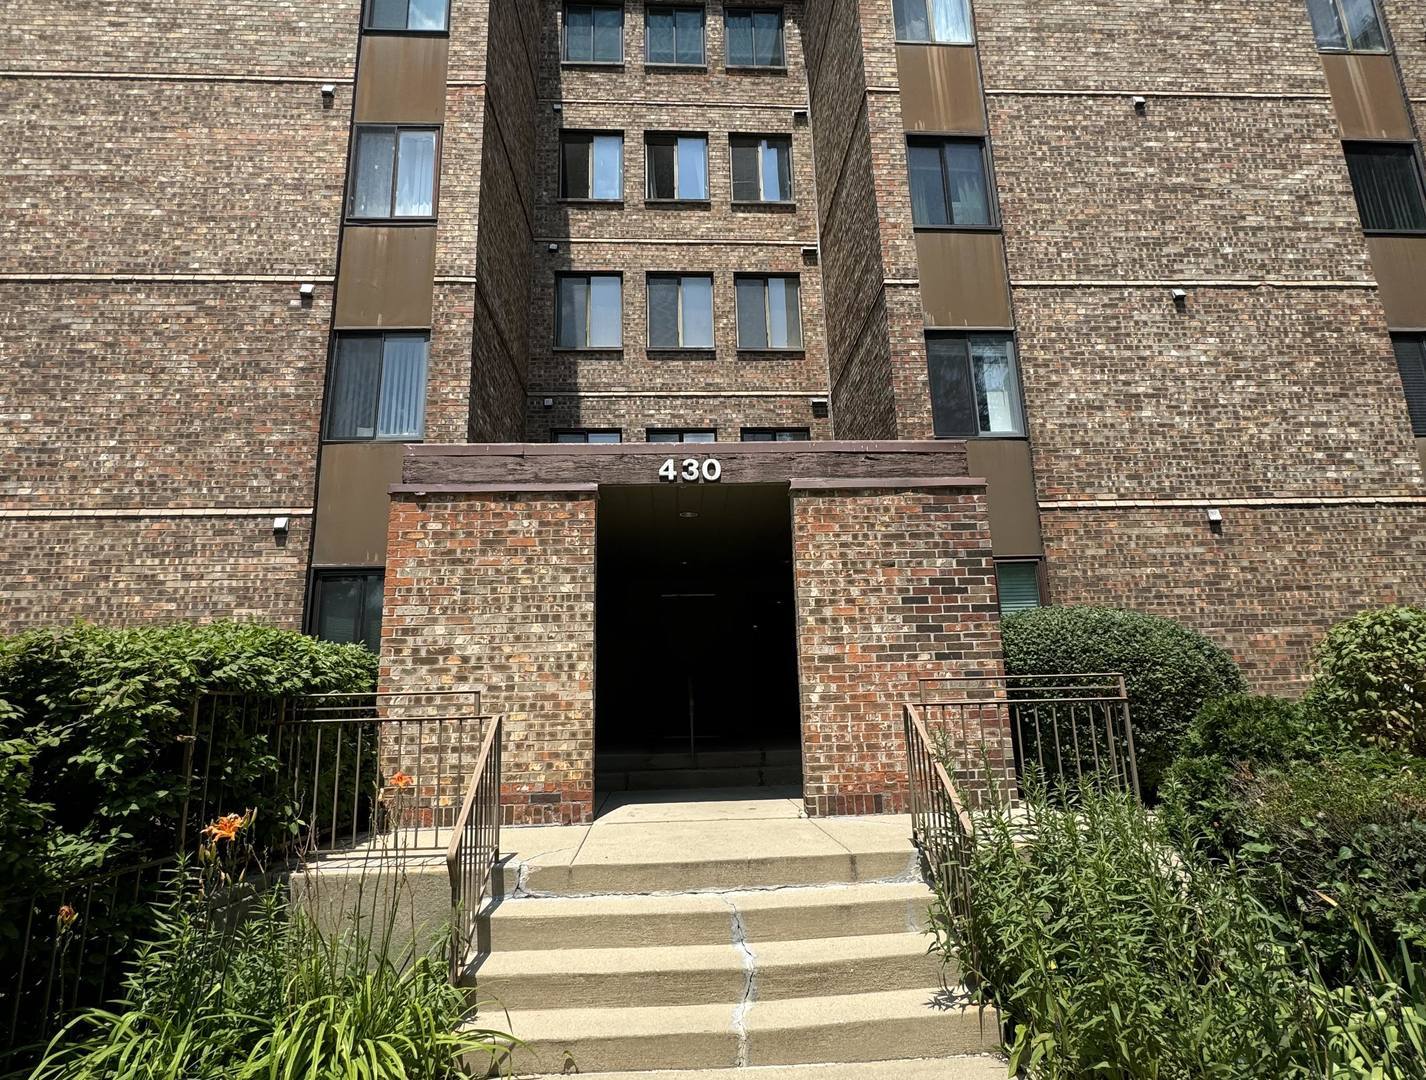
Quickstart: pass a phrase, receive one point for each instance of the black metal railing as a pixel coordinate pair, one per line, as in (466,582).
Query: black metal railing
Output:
(474,850)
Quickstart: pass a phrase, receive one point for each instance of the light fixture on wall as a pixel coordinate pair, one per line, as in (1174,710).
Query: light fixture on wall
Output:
(281,525)
(329,94)
(1141,104)
(799,116)
(821,408)
(1215,521)
(1180,299)
(553,249)
(549,403)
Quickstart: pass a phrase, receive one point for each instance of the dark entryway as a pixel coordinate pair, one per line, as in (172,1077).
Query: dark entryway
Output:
(696,652)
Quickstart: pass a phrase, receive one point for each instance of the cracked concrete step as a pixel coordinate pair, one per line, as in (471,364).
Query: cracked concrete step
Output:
(793,914)
(704,974)
(848,1028)
(975,1067)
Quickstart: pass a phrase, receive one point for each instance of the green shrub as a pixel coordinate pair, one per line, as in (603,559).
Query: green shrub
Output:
(1372,670)
(1170,671)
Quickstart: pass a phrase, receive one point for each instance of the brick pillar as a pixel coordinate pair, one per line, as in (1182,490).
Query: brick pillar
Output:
(893,583)
(497,589)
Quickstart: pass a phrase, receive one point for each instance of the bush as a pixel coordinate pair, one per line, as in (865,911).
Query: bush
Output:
(1170,671)
(1372,670)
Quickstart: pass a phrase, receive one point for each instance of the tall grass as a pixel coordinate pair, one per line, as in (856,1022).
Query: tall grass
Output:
(1112,950)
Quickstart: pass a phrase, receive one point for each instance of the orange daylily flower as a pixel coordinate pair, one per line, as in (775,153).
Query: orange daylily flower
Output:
(401,780)
(226,827)
(66,916)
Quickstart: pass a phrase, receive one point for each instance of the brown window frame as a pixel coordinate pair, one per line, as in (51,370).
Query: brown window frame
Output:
(1414,155)
(757,137)
(618,434)
(564,32)
(676,5)
(392,218)
(801,434)
(591,134)
(987,171)
(369,28)
(671,138)
(320,576)
(728,12)
(682,434)
(792,350)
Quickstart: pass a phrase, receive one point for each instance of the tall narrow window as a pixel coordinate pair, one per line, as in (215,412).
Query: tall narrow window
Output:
(594,33)
(428,15)
(1387,180)
(680,311)
(674,35)
(945,22)
(755,38)
(776,435)
(769,312)
(762,168)
(975,388)
(677,167)
(590,312)
(377,387)
(1347,25)
(346,606)
(1411,362)
(1019,583)
(589,436)
(592,165)
(668,435)
(394,173)
(949,182)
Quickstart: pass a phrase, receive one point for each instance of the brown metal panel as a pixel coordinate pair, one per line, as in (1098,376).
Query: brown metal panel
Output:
(1399,263)
(352,503)
(963,280)
(1014,510)
(940,88)
(387,276)
(402,80)
(1421,449)
(1367,94)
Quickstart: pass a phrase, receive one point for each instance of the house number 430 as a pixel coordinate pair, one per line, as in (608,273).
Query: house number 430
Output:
(692,470)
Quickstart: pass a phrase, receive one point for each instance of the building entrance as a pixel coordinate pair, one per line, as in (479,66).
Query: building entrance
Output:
(695,648)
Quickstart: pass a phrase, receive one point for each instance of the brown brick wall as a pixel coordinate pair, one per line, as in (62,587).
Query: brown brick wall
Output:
(891,585)
(1267,589)
(131,571)
(498,591)
(634,414)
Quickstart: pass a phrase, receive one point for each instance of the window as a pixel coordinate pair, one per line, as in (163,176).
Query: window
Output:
(762,169)
(346,606)
(594,33)
(377,387)
(1411,362)
(945,22)
(949,182)
(394,174)
(776,435)
(1347,25)
(591,165)
(591,312)
(769,312)
(755,38)
(975,389)
(1019,584)
(674,35)
(680,311)
(677,167)
(1387,180)
(674,436)
(407,14)
(588,437)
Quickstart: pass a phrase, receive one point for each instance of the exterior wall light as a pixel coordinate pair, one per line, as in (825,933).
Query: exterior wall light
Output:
(549,403)
(1141,104)
(329,91)
(281,525)
(821,408)
(1215,521)
(1180,299)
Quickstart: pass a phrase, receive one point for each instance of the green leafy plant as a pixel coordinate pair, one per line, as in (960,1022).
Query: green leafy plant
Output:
(1371,670)
(1170,671)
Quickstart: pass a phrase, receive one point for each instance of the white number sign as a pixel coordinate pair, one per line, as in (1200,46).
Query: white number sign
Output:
(691,470)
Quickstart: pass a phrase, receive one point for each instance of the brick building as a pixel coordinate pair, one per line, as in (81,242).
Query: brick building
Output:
(375,319)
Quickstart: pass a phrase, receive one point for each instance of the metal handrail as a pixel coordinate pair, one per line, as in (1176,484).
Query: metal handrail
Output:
(475,849)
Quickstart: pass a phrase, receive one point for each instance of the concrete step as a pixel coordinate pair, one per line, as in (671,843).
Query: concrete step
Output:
(704,974)
(880,1026)
(975,1067)
(791,914)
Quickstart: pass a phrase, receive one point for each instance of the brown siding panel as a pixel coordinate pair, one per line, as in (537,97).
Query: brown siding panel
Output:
(352,502)
(1399,263)
(1014,511)
(403,80)
(963,279)
(940,88)
(386,276)
(1367,94)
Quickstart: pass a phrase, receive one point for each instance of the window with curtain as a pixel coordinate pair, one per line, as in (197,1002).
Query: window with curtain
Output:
(950,185)
(680,311)
(589,436)
(590,311)
(673,35)
(762,168)
(943,22)
(427,15)
(592,165)
(1019,584)
(676,168)
(594,33)
(755,37)
(346,606)
(1347,25)
(393,173)
(769,312)
(975,387)
(672,435)
(377,387)
(1411,362)
(776,435)
(1386,178)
